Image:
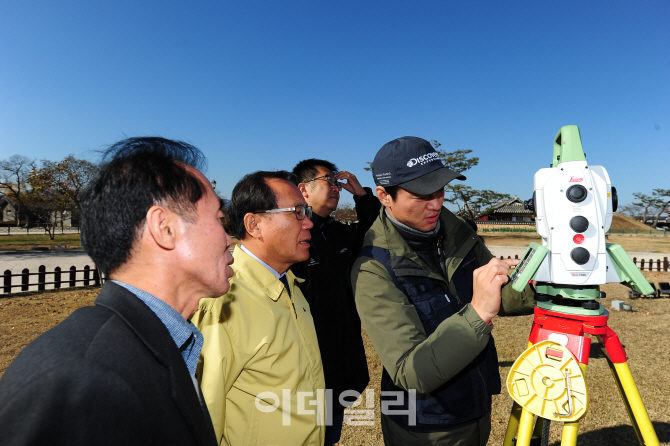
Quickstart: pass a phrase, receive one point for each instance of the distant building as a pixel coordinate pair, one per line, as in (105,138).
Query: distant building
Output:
(7,210)
(8,215)
(508,210)
(663,222)
(511,210)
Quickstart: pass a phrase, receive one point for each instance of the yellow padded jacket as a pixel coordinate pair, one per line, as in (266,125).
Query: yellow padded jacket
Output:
(261,351)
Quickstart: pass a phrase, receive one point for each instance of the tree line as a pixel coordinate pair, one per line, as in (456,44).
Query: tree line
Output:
(44,193)
(648,205)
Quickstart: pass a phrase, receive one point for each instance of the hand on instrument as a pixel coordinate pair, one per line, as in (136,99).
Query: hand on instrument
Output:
(487,282)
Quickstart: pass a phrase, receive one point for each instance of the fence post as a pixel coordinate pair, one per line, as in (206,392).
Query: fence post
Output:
(516,256)
(7,281)
(651,264)
(57,277)
(658,264)
(73,275)
(25,279)
(41,277)
(96,277)
(665,264)
(641,263)
(87,270)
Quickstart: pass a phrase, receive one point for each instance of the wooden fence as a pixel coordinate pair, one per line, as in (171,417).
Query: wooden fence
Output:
(660,265)
(59,279)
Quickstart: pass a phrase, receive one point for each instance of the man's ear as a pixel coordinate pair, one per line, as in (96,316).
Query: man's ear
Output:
(303,190)
(162,225)
(384,197)
(251,224)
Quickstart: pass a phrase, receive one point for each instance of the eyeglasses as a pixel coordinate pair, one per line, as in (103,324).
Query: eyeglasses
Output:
(331,181)
(300,211)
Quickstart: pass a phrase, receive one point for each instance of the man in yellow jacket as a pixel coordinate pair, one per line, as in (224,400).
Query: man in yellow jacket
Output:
(260,367)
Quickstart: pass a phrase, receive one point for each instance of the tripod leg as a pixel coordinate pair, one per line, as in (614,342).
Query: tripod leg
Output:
(633,402)
(570,430)
(514,420)
(616,359)
(512,425)
(525,428)
(617,381)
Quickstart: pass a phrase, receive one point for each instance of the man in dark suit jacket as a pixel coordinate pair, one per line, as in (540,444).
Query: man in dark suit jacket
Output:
(122,371)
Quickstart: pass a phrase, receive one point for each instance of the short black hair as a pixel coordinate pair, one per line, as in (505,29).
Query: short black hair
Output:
(253,194)
(135,174)
(307,169)
(392,191)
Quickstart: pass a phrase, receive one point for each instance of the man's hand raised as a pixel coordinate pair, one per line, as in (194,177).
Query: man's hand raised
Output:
(487,282)
(352,185)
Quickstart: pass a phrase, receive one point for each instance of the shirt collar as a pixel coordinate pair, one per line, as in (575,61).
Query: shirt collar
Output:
(179,328)
(276,274)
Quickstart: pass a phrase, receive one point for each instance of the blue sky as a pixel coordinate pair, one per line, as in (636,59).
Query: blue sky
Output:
(260,85)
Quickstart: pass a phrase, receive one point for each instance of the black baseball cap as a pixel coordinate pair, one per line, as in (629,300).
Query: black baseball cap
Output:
(412,164)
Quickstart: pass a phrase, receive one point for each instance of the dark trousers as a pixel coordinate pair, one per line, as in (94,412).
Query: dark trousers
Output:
(475,434)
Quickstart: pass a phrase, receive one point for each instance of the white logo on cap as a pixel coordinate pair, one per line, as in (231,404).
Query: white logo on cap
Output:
(423,159)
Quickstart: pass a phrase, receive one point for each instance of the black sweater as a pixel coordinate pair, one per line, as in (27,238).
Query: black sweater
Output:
(333,248)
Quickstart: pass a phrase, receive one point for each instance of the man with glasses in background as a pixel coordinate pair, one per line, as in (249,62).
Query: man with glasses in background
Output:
(334,247)
(260,367)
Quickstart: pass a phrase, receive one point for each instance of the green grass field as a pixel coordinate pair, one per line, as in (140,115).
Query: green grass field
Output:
(643,332)
(27,242)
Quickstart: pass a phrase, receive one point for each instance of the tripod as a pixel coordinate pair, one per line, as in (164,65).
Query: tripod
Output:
(548,379)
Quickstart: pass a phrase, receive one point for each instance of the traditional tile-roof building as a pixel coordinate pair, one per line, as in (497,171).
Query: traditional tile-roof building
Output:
(507,210)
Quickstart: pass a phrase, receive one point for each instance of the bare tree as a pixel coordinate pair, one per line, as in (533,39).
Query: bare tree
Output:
(663,197)
(14,173)
(473,199)
(631,210)
(345,212)
(647,203)
(57,187)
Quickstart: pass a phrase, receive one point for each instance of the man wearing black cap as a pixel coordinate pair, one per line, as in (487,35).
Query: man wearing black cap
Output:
(426,289)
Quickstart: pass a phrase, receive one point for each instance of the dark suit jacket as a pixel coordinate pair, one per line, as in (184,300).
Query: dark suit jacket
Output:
(108,374)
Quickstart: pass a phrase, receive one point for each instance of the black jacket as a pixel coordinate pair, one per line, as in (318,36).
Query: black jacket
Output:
(108,374)
(333,248)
